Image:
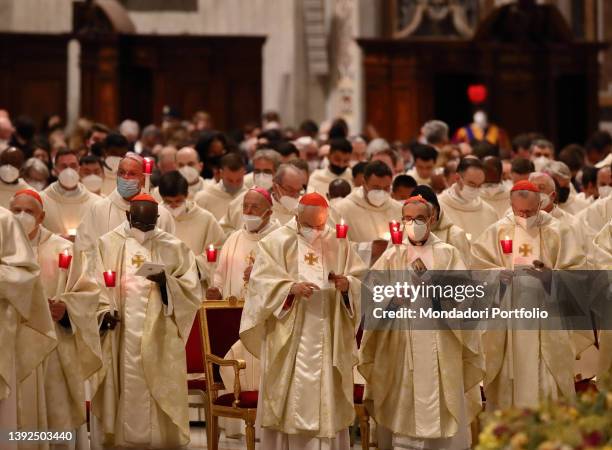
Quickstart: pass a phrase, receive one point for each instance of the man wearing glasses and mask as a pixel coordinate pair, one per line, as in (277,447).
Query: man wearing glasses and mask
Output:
(139,398)
(427,410)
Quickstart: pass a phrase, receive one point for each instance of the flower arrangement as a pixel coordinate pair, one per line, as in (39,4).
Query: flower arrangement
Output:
(585,424)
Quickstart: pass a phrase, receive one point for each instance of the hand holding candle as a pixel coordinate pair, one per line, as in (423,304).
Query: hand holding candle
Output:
(394,226)
(65,259)
(211,254)
(341,229)
(110,278)
(506,245)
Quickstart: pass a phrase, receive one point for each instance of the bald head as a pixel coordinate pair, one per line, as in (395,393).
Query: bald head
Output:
(288,181)
(543,181)
(493,169)
(312,216)
(28,205)
(339,188)
(143,215)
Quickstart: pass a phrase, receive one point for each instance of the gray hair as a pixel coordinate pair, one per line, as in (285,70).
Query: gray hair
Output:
(557,168)
(36,165)
(302,208)
(376,146)
(435,132)
(430,207)
(546,178)
(269,155)
(282,170)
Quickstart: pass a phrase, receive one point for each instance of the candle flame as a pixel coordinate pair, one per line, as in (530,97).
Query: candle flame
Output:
(66,252)
(506,238)
(110,272)
(211,247)
(341,221)
(72,231)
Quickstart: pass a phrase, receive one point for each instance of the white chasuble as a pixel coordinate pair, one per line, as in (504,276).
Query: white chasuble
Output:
(306,345)
(140,396)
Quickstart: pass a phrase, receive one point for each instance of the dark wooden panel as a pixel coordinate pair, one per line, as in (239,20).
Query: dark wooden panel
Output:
(33,70)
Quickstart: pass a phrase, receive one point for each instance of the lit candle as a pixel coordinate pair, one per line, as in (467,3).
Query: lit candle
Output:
(71,231)
(110,278)
(211,254)
(65,259)
(394,226)
(397,236)
(506,245)
(341,229)
(148,166)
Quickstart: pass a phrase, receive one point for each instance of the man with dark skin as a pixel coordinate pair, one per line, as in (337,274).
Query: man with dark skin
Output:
(11,161)
(143,216)
(338,188)
(12,156)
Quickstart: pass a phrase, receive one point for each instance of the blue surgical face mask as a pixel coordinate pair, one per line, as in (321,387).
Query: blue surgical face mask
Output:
(127,188)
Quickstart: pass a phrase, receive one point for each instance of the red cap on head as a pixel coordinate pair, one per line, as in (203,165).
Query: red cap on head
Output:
(314,199)
(263,192)
(144,198)
(31,193)
(525,185)
(415,198)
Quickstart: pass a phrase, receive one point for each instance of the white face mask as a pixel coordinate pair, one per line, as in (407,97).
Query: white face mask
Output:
(480,119)
(190,174)
(545,201)
(540,162)
(38,185)
(313,165)
(113,163)
(93,182)
(377,197)
(310,234)
(251,223)
(290,203)
(470,193)
(176,212)
(141,236)
(8,173)
(527,222)
(492,188)
(416,232)
(604,191)
(263,180)
(28,222)
(68,178)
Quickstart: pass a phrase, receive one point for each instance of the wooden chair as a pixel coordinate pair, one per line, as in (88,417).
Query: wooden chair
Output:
(196,369)
(220,322)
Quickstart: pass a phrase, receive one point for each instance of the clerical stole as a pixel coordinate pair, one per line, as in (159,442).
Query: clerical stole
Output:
(526,246)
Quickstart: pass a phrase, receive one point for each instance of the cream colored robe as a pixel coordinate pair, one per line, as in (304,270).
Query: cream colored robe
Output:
(214,199)
(603,261)
(315,398)
(7,191)
(574,204)
(109,183)
(319,180)
(555,350)
(420,398)
(366,222)
(104,216)
(453,235)
(65,212)
(473,217)
(27,332)
(198,229)
(141,391)
(53,396)
(498,200)
(596,216)
(237,254)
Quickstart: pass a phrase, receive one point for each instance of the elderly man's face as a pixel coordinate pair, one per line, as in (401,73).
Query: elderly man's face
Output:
(28,205)
(416,211)
(292,184)
(313,217)
(132,170)
(525,203)
(255,204)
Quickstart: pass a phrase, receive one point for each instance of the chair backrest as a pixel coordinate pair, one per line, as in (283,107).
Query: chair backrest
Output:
(220,328)
(194,349)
